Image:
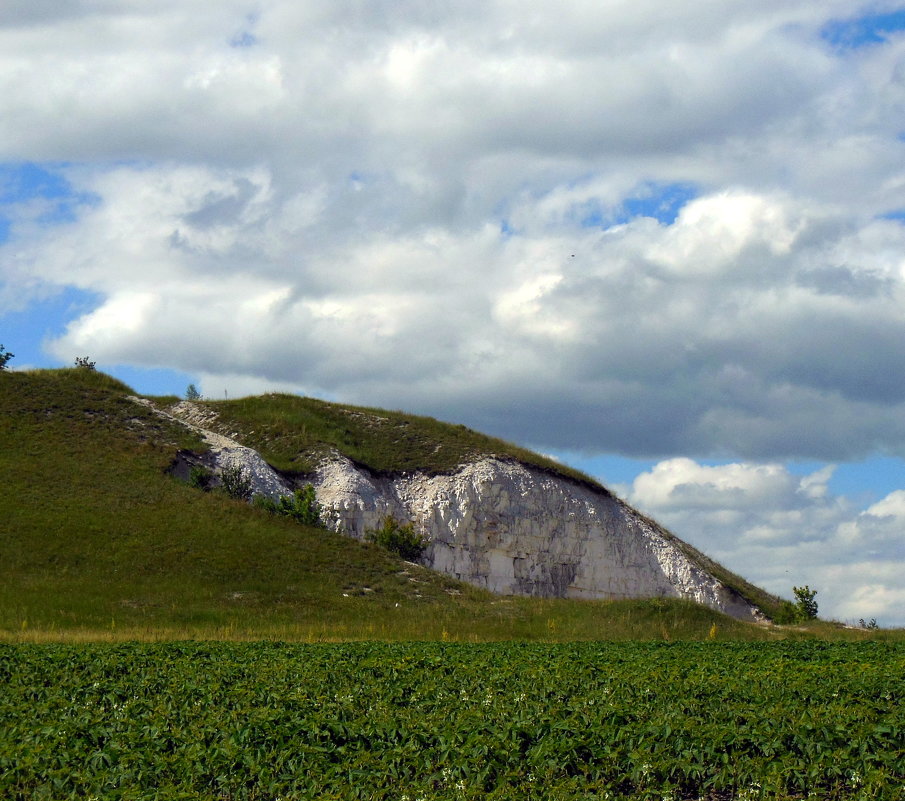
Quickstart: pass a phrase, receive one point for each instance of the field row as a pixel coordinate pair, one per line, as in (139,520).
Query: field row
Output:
(441,721)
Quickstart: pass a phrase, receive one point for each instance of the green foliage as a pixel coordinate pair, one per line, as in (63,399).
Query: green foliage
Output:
(5,356)
(292,433)
(192,393)
(84,363)
(200,478)
(786,613)
(398,538)
(805,605)
(236,482)
(453,722)
(301,506)
(802,610)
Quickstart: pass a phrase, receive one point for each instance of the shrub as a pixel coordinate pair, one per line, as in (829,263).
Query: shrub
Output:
(301,506)
(804,608)
(192,393)
(85,363)
(236,482)
(5,356)
(200,478)
(786,614)
(398,538)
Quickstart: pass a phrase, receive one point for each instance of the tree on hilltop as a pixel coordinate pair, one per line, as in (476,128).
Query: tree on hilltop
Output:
(5,356)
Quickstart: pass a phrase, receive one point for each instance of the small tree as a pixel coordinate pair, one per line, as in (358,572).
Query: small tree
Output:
(805,604)
(398,538)
(85,363)
(5,356)
(192,393)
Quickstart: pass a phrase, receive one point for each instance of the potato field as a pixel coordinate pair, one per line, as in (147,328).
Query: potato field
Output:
(424,721)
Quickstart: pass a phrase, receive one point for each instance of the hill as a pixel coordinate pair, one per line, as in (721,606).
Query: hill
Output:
(97,539)
(528,527)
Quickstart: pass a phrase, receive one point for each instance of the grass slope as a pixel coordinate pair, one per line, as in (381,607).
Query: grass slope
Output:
(292,433)
(98,542)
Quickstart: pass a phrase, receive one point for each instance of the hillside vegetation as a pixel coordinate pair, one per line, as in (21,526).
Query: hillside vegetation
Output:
(97,541)
(292,433)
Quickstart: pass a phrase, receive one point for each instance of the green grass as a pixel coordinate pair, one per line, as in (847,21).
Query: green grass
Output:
(292,433)
(96,535)
(98,542)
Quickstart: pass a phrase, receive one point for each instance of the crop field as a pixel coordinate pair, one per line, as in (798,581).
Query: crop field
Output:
(422,721)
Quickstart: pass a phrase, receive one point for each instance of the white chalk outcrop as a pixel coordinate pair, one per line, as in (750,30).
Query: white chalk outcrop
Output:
(519,530)
(500,525)
(225,453)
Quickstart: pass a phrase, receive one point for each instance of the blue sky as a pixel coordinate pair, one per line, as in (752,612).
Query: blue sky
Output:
(661,243)
(864,31)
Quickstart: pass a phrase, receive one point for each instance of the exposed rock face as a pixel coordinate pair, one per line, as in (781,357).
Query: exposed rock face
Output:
(517,530)
(225,453)
(503,526)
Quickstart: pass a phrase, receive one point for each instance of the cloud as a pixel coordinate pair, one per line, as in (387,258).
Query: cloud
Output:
(646,228)
(780,529)
(723,331)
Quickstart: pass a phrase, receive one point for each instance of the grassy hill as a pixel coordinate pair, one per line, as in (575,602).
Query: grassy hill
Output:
(293,432)
(97,541)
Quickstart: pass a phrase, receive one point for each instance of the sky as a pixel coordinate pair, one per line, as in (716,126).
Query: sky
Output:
(663,242)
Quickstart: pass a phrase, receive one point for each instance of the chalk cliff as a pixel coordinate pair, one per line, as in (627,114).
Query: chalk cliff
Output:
(518,530)
(503,526)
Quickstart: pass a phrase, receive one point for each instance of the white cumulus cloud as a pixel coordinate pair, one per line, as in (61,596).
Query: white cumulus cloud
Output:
(458,208)
(780,529)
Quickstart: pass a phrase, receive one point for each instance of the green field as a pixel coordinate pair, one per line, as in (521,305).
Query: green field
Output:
(446,721)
